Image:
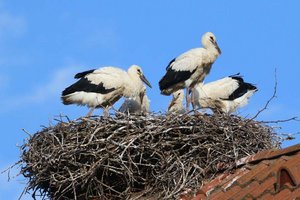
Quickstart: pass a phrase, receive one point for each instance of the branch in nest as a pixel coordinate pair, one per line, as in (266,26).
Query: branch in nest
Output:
(281,120)
(272,97)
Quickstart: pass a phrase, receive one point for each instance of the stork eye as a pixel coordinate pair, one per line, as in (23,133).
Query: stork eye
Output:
(211,37)
(139,71)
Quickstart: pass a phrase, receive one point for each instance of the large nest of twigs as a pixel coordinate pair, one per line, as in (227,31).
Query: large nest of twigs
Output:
(130,157)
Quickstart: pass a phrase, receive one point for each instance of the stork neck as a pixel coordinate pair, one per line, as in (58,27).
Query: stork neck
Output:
(213,51)
(134,85)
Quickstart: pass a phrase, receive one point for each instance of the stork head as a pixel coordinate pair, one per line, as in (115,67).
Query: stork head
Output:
(179,94)
(135,70)
(177,99)
(209,40)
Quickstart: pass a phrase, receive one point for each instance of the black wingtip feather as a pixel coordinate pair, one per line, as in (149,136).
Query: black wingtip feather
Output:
(170,63)
(238,77)
(241,90)
(250,86)
(82,74)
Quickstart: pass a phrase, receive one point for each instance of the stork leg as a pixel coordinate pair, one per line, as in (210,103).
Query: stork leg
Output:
(90,112)
(193,98)
(106,112)
(188,99)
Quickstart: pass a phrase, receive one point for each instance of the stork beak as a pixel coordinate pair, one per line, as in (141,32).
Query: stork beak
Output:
(218,48)
(143,78)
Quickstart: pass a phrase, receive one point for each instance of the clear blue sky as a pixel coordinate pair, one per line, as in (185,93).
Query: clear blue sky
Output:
(44,43)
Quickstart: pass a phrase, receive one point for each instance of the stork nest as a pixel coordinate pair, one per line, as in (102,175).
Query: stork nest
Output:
(136,157)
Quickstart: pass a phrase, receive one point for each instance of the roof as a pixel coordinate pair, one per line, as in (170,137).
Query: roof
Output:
(270,174)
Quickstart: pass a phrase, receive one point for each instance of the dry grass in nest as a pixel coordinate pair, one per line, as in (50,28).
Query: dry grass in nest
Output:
(130,157)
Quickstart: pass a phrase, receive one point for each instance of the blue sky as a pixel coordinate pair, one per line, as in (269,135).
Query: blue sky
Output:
(44,43)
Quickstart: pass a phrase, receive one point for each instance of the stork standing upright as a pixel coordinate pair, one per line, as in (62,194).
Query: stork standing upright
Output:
(104,86)
(225,95)
(190,68)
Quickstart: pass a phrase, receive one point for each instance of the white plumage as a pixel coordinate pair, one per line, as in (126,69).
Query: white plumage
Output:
(225,95)
(176,104)
(191,67)
(145,107)
(104,86)
(138,104)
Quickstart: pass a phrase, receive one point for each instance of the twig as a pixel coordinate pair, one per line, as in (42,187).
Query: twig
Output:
(30,136)
(272,97)
(280,120)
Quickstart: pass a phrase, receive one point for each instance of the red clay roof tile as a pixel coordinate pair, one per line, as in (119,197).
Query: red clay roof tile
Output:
(267,185)
(269,154)
(258,169)
(296,194)
(245,191)
(233,179)
(257,177)
(266,196)
(225,195)
(283,194)
(271,170)
(208,187)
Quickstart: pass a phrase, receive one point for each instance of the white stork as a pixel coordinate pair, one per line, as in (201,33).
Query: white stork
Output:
(104,86)
(225,95)
(137,104)
(190,68)
(176,104)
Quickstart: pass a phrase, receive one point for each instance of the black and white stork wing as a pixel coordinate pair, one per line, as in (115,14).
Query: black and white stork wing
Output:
(172,77)
(103,81)
(178,70)
(85,85)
